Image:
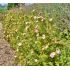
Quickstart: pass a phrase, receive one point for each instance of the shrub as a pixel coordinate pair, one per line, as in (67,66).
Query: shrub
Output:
(37,39)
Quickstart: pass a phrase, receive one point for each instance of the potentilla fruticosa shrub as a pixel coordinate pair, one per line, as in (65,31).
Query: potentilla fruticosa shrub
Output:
(36,39)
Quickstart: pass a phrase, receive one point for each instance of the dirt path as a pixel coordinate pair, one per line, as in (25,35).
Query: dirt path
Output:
(6,53)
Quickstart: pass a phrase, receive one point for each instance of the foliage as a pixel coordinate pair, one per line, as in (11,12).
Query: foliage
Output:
(12,5)
(37,39)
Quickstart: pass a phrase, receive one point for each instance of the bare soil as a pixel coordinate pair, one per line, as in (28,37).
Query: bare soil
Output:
(6,52)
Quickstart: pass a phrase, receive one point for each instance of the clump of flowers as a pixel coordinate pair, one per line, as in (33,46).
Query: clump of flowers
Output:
(57,52)
(39,38)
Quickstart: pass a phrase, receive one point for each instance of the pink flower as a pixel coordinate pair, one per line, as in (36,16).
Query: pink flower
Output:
(52,55)
(36,30)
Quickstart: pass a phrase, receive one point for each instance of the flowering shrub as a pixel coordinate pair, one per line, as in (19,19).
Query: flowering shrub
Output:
(36,39)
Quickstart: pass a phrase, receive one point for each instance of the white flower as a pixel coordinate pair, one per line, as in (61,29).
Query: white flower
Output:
(23,33)
(32,51)
(41,17)
(35,17)
(52,55)
(37,21)
(37,34)
(15,56)
(46,46)
(17,49)
(50,19)
(35,60)
(17,37)
(43,36)
(43,48)
(33,10)
(27,28)
(16,30)
(42,20)
(58,51)
(19,44)
(27,23)
(36,26)
(35,42)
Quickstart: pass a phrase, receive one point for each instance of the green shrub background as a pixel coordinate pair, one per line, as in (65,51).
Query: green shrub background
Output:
(36,35)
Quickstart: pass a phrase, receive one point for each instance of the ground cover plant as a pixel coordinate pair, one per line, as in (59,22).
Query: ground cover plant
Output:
(40,38)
